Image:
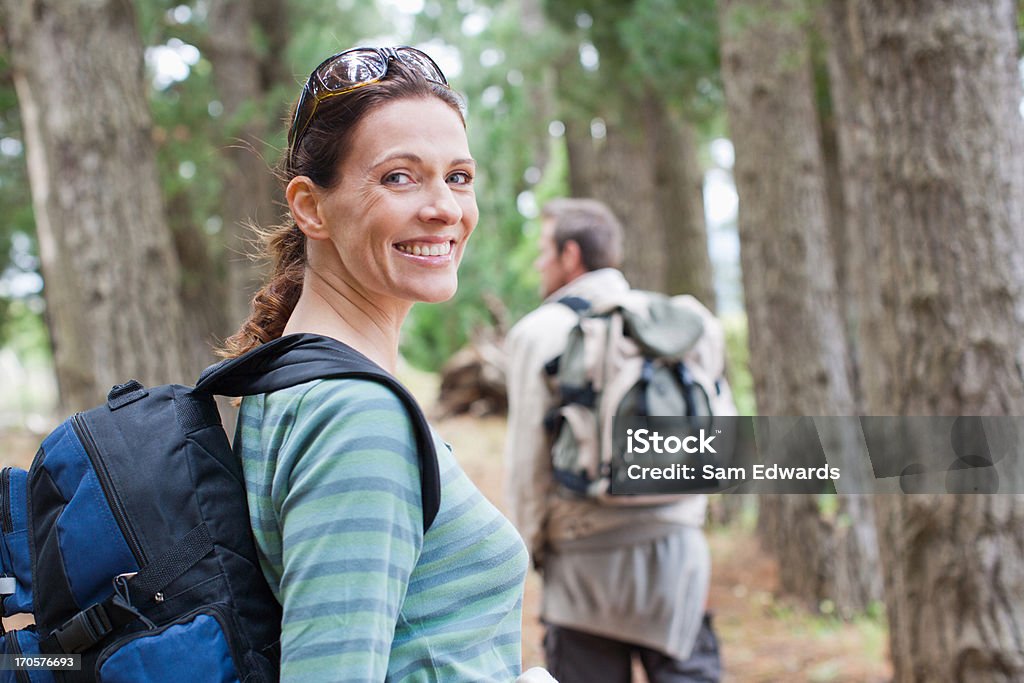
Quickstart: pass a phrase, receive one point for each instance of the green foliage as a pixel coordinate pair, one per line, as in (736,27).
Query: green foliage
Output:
(666,47)
(26,334)
(738,363)
(673,46)
(18,249)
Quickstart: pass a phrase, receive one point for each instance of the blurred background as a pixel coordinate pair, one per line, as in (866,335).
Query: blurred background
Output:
(841,181)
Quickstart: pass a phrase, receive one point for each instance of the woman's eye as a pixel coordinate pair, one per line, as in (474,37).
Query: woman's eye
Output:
(460,178)
(397,178)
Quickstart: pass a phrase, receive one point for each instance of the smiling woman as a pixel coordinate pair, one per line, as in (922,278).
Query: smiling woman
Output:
(405,189)
(379,183)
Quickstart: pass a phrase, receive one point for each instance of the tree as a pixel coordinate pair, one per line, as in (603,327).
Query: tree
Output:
(630,143)
(797,345)
(947,200)
(108,263)
(245,42)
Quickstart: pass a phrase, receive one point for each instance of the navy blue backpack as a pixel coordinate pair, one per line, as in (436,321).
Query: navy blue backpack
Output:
(128,539)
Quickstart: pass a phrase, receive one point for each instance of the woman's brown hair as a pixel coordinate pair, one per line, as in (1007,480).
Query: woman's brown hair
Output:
(319,156)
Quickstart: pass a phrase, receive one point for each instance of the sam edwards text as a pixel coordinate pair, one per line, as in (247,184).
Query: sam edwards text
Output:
(757,472)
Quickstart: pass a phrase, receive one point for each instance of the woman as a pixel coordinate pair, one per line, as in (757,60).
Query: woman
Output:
(380,187)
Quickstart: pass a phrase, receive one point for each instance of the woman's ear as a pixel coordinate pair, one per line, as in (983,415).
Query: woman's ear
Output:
(304,203)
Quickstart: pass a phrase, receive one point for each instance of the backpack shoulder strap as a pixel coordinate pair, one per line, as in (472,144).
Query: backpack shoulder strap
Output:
(578,304)
(299,358)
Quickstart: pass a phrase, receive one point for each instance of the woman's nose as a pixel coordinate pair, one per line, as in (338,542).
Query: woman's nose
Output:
(441,207)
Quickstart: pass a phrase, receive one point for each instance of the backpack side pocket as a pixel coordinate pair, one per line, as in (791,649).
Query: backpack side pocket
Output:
(198,643)
(23,643)
(15,560)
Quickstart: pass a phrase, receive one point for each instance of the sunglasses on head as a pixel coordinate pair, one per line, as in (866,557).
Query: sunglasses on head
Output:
(352,69)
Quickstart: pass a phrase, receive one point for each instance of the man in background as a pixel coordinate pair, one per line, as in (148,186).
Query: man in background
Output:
(618,581)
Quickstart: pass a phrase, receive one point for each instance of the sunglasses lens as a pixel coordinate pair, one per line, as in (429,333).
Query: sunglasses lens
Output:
(352,68)
(422,63)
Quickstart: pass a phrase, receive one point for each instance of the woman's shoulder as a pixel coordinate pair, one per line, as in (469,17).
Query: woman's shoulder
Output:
(344,409)
(328,399)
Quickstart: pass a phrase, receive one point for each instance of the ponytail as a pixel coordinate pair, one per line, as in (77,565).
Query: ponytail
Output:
(273,304)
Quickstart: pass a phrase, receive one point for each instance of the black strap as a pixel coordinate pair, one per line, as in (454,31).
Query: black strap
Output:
(184,555)
(577,303)
(299,358)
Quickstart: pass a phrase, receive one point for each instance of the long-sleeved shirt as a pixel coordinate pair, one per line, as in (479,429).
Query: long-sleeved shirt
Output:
(333,485)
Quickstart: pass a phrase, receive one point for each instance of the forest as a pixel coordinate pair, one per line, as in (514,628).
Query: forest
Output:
(841,181)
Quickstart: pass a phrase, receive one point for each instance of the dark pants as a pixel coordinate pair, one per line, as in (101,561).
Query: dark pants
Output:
(577,657)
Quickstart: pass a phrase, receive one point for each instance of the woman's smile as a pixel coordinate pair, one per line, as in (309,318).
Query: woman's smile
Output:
(428,251)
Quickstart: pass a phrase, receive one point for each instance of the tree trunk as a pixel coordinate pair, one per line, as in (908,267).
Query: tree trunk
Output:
(107,256)
(943,85)
(243,78)
(597,168)
(202,281)
(679,192)
(856,234)
(644,166)
(798,352)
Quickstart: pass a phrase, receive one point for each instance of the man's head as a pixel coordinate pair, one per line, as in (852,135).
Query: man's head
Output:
(577,236)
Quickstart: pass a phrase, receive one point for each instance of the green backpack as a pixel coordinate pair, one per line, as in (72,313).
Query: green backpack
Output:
(644,354)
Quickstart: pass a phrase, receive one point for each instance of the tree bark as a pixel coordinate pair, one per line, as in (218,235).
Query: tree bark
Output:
(797,346)
(854,227)
(597,167)
(244,76)
(645,168)
(108,262)
(943,86)
(679,192)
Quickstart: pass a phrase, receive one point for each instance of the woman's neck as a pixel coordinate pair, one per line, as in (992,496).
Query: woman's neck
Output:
(330,307)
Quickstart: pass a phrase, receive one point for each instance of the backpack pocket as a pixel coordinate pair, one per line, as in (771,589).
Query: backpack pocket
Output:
(575,456)
(23,643)
(15,561)
(81,534)
(198,643)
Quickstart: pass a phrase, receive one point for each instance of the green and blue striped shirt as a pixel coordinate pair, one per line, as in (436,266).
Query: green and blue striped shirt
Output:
(334,495)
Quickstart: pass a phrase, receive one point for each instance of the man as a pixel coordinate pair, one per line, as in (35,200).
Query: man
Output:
(618,581)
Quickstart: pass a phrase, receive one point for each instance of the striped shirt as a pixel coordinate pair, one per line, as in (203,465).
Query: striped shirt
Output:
(334,495)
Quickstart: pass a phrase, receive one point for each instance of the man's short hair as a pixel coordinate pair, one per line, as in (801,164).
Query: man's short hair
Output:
(590,224)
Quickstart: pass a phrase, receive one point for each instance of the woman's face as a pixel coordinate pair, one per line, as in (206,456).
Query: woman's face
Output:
(404,206)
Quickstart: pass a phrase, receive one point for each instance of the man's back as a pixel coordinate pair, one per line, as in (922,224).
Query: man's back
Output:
(617,580)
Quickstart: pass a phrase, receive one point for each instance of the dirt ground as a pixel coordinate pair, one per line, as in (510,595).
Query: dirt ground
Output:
(763,637)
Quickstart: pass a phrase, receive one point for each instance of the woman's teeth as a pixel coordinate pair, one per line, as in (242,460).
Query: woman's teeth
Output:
(425,249)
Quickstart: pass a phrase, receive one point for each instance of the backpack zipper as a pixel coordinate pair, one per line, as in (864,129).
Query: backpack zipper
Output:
(6,518)
(116,506)
(14,650)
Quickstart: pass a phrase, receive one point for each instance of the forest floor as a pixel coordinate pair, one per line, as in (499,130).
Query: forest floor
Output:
(764,638)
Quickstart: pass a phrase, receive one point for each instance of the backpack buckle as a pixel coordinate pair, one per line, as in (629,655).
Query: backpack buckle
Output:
(84,630)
